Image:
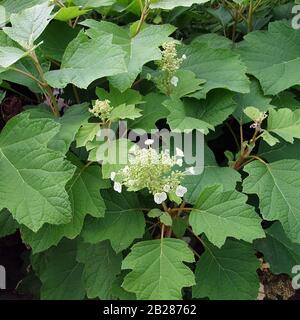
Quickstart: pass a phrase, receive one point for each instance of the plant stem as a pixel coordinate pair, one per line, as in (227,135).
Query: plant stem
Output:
(27,74)
(144,14)
(162,234)
(250,17)
(45,87)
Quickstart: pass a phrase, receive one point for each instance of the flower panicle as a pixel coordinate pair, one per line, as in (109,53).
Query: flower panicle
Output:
(101,109)
(156,171)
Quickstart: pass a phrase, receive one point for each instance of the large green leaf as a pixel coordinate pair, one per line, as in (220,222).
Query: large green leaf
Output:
(29,24)
(9,56)
(278,250)
(221,68)
(71,121)
(255,98)
(69,13)
(158,271)
(225,214)
(200,114)
(283,150)
(171,4)
(152,110)
(123,222)
(228,273)
(101,266)
(7,224)
(117,98)
(278,187)
(61,274)
(76,66)
(212,174)
(16,6)
(84,193)
(150,37)
(33,177)
(93,3)
(277,71)
(56,38)
(285,123)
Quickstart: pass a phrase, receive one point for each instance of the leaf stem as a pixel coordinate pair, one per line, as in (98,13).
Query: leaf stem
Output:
(145,9)
(44,86)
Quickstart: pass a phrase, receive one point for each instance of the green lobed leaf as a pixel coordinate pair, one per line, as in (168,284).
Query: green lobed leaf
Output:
(76,67)
(255,98)
(150,37)
(158,271)
(152,110)
(221,68)
(285,123)
(278,250)
(225,214)
(84,193)
(33,177)
(61,275)
(211,175)
(101,267)
(122,210)
(202,115)
(171,4)
(29,24)
(228,273)
(277,186)
(277,71)
(9,56)
(8,225)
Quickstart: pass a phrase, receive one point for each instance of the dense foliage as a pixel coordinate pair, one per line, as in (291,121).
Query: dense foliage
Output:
(153,227)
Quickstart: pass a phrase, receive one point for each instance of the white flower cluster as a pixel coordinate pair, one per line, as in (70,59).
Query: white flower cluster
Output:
(170,61)
(101,109)
(169,64)
(152,170)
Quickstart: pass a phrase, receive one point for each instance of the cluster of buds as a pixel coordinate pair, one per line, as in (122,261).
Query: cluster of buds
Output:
(258,121)
(101,109)
(169,64)
(152,170)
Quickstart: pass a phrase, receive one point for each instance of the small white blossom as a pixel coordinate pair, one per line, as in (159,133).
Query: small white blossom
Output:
(118,187)
(183,57)
(181,191)
(149,142)
(167,188)
(112,176)
(174,81)
(179,153)
(179,162)
(159,198)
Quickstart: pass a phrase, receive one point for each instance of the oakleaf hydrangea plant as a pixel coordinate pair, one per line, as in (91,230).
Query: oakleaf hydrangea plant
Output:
(149,150)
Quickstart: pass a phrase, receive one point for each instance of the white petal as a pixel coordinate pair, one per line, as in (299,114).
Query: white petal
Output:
(179,153)
(181,191)
(112,176)
(118,187)
(149,142)
(160,197)
(184,57)
(179,162)
(174,81)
